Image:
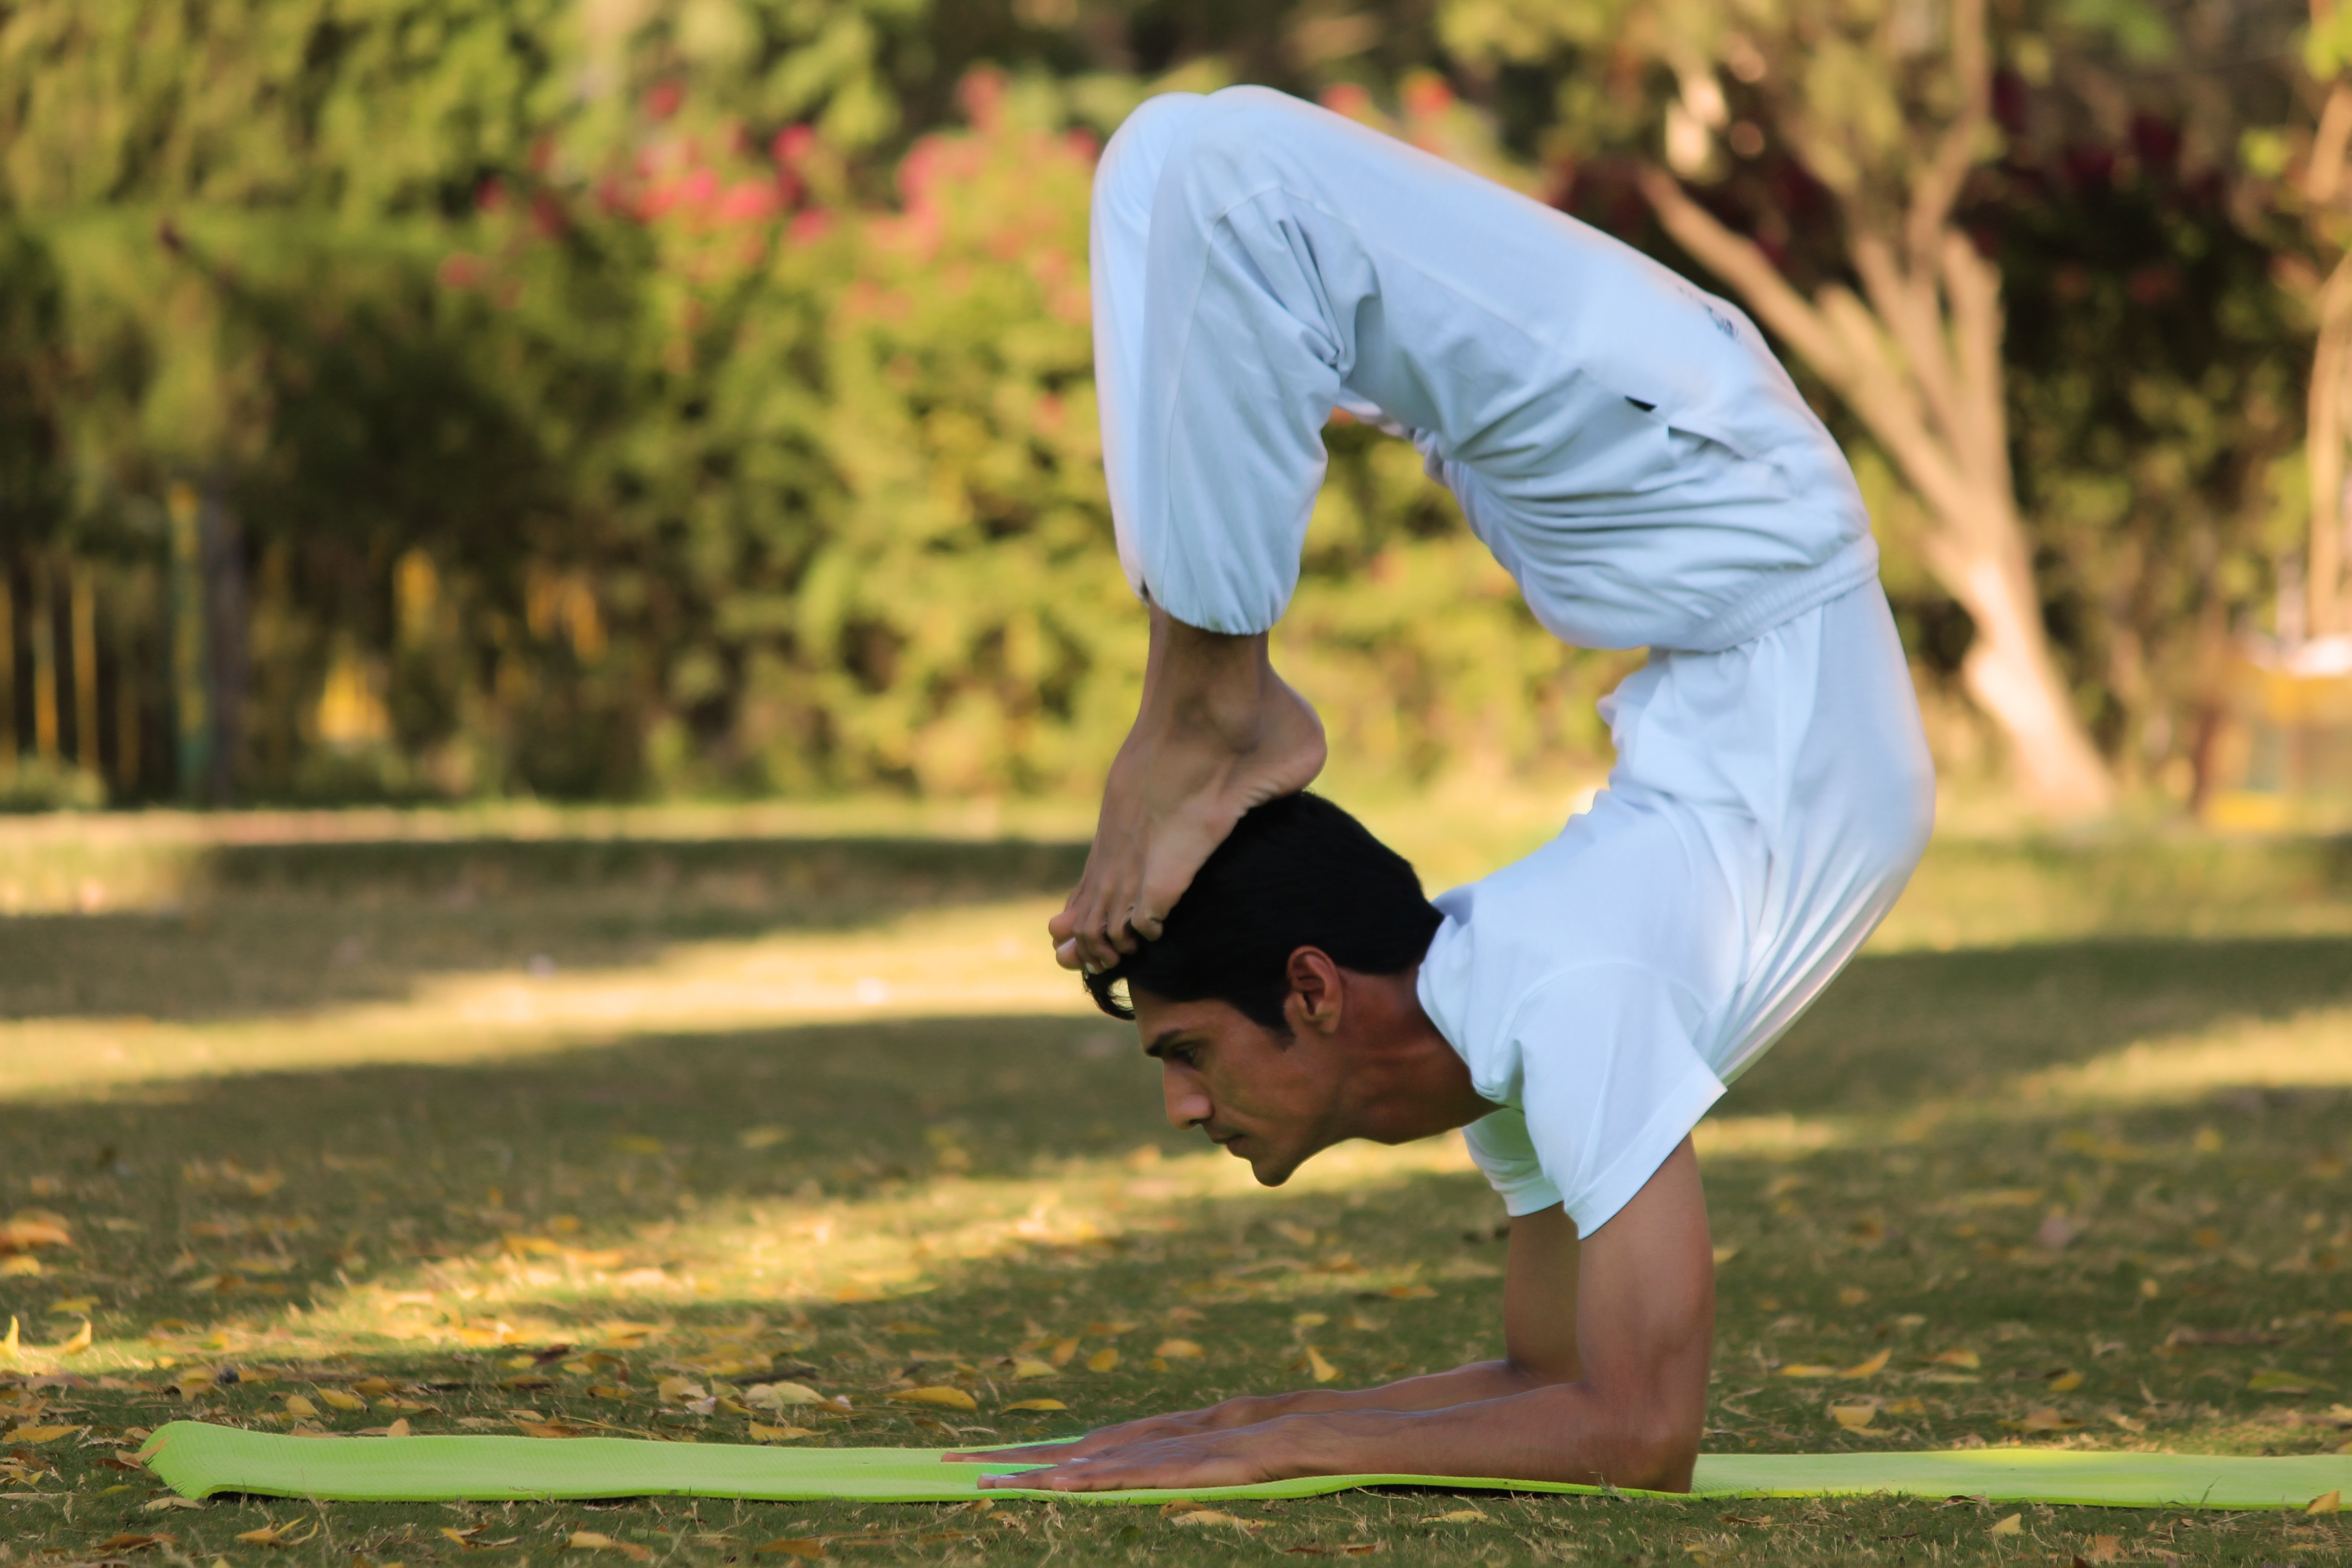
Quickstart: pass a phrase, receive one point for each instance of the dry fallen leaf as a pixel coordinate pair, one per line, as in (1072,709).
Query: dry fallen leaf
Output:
(36,1435)
(677,1390)
(373,1387)
(1806,1369)
(1405,1293)
(2013,1525)
(2272,1381)
(779,1396)
(277,1535)
(1179,1350)
(129,1541)
(1062,1352)
(596,1541)
(1854,1418)
(29,1228)
(1030,1366)
(2043,1421)
(301,1409)
(161,1503)
(1870,1368)
(1102,1360)
(399,1428)
(1321,1370)
(2103,1549)
(778,1434)
(2327,1502)
(342,1400)
(941,1394)
(1211,1516)
(1968,1359)
(2065,1382)
(1853,1296)
(1460,1516)
(792,1546)
(1037,1405)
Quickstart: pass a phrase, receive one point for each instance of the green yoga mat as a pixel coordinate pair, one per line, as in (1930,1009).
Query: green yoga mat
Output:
(197,1460)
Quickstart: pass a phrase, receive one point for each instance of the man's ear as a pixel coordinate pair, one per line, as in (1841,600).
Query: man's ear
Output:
(1318,991)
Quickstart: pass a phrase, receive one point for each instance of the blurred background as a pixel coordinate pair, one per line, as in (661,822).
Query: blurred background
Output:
(464,401)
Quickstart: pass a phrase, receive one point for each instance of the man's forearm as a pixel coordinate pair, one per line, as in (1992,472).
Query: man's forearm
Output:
(1479,1381)
(1559,1432)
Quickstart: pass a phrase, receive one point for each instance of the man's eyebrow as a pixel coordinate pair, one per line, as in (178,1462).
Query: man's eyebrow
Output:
(1161,1042)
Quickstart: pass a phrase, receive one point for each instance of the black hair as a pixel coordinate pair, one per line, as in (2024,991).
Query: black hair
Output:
(1295,873)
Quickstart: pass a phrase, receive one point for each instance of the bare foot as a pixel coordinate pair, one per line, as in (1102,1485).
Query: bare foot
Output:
(1218,732)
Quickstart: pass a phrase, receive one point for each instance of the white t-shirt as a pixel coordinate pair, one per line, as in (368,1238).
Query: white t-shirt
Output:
(1622,440)
(1586,986)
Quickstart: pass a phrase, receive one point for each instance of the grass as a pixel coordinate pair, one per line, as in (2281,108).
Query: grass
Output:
(717,1107)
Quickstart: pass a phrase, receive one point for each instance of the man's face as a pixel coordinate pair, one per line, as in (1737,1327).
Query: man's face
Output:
(1269,1099)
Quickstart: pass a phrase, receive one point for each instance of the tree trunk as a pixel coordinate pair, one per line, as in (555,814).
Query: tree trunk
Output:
(1921,365)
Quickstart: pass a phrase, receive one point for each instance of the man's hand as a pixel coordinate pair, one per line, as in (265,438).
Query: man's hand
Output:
(1218,733)
(1237,1458)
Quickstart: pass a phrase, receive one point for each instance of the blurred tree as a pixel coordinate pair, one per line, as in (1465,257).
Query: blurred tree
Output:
(1887,104)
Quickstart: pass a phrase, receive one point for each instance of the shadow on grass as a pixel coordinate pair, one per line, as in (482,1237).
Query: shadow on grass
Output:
(1897,1030)
(283,927)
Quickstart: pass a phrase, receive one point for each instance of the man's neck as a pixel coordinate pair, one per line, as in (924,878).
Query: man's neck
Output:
(1405,1080)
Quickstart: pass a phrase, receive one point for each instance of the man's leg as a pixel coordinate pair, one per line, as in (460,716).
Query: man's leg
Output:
(1218,732)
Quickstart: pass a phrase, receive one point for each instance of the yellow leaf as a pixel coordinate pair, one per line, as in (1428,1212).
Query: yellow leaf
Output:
(2276,1382)
(2104,1548)
(1062,1352)
(1179,1350)
(1309,1320)
(373,1387)
(277,1535)
(1968,1359)
(2329,1502)
(399,1428)
(29,1228)
(677,1390)
(1870,1368)
(1460,1516)
(1806,1369)
(1724,1255)
(1323,1371)
(757,1138)
(341,1400)
(37,1435)
(1854,1418)
(1037,1405)
(1102,1360)
(939,1395)
(78,1342)
(2065,1382)
(2043,1421)
(74,1306)
(778,1434)
(778,1395)
(2013,1525)
(1111,1330)
(301,1408)
(1853,1296)
(596,1541)
(1030,1366)
(1208,1516)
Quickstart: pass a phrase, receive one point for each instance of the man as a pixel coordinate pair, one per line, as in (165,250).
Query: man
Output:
(1636,458)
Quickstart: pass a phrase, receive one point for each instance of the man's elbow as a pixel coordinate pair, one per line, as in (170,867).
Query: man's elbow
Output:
(1656,1454)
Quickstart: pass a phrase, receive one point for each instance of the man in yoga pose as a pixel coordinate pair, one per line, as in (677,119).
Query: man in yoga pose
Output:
(1633,455)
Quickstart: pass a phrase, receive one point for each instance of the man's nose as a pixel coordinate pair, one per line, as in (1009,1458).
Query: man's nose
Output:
(1188,1101)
